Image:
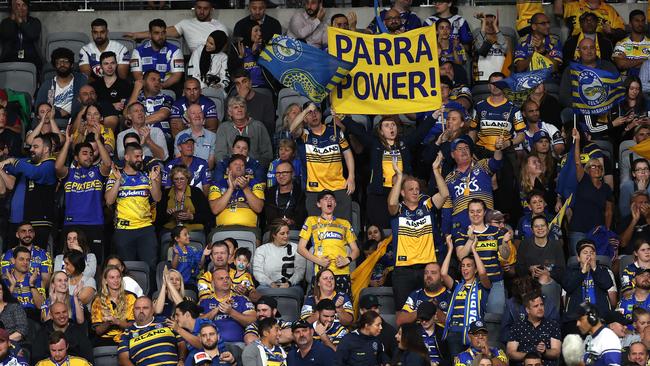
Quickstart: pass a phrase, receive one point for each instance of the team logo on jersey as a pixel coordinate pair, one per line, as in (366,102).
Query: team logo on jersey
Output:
(91,174)
(483,114)
(506,115)
(443,305)
(314,141)
(419,212)
(592,89)
(330,235)
(375,346)
(333,138)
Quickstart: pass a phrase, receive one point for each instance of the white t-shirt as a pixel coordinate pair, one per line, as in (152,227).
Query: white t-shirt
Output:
(63,95)
(218,66)
(132,286)
(196,32)
(89,55)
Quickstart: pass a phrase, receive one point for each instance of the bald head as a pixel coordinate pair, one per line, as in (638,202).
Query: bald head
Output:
(587,48)
(143,310)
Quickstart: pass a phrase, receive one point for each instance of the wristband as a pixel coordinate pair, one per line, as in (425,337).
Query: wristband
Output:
(350,259)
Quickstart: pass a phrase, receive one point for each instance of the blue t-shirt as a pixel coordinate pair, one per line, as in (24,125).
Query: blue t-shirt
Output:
(84,196)
(229,329)
(188,263)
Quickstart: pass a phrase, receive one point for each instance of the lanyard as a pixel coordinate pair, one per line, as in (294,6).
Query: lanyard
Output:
(286,207)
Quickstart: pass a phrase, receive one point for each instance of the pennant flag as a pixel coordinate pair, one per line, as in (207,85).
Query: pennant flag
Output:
(518,86)
(642,148)
(361,276)
(557,220)
(304,68)
(594,91)
(381,27)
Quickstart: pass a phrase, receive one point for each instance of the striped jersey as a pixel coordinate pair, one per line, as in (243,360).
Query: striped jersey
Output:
(252,327)
(457,304)
(133,201)
(335,332)
(329,239)
(475,182)
(151,344)
(632,50)
(487,246)
(41,260)
(413,238)
(322,156)
(431,342)
(494,120)
(441,298)
(310,303)
(237,212)
(84,196)
(23,293)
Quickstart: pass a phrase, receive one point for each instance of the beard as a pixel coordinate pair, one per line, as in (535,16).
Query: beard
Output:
(209,346)
(135,165)
(64,72)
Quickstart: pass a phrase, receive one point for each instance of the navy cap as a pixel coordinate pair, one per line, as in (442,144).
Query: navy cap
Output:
(462,140)
(477,326)
(541,134)
(185,137)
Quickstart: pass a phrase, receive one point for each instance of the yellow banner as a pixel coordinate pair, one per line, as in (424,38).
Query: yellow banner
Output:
(393,74)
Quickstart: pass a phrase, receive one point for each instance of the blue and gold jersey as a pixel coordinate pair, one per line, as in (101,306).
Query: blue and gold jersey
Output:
(133,201)
(238,212)
(188,262)
(475,182)
(441,298)
(329,239)
(487,246)
(322,156)
(431,342)
(492,121)
(335,332)
(252,327)
(84,196)
(627,278)
(22,291)
(69,361)
(153,344)
(245,279)
(413,238)
(41,260)
(310,303)
(275,356)
(466,358)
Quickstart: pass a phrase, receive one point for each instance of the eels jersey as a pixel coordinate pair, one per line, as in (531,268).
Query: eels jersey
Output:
(492,121)
(322,157)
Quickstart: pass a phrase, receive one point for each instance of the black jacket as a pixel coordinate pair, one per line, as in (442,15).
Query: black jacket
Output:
(357,349)
(78,342)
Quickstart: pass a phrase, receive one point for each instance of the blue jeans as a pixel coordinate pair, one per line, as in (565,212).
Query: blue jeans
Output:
(496,300)
(574,238)
(137,245)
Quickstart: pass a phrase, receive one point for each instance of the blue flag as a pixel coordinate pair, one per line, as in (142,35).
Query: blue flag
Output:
(567,182)
(518,86)
(303,68)
(594,91)
(381,27)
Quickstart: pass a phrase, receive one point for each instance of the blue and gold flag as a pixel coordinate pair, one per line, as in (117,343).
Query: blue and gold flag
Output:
(594,91)
(518,86)
(303,68)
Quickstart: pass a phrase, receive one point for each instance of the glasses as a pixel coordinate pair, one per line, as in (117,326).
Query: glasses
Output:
(642,170)
(284,173)
(595,167)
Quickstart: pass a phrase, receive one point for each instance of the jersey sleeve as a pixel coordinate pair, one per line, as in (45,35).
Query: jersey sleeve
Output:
(343,142)
(84,58)
(347,304)
(305,232)
(258,190)
(409,305)
(136,61)
(518,121)
(306,311)
(215,193)
(123,56)
(177,63)
(210,110)
(460,239)
(350,235)
(521,50)
(123,346)
(46,263)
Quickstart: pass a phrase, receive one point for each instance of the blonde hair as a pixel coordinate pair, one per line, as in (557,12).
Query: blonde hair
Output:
(526,184)
(180,276)
(105,294)
(67,297)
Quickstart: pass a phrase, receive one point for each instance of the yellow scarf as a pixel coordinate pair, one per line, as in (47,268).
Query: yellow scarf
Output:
(361,275)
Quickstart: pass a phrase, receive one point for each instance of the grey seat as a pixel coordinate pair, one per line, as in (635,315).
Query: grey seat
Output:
(70,40)
(385,297)
(19,76)
(288,303)
(119,36)
(169,93)
(105,356)
(286,97)
(139,271)
(625,260)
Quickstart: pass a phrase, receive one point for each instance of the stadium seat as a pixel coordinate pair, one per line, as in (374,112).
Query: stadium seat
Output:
(105,356)
(286,97)
(385,297)
(602,259)
(625,260)
(139,271)
(19,76)
(70,40)
(390,319)
(480,92)
(294,236)
(244,238)
(188,294)
(197,240)
(288,303)
(159,273)
(127,42)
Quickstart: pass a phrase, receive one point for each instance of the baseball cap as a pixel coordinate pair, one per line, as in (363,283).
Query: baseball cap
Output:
(324,193)
(271,302)
(426,310)
(541,134)
(585,243)
(614,316)
(462,140)
(477,326)
(4,335)
(368,301)
(185,137)
(494,215)
(300,324)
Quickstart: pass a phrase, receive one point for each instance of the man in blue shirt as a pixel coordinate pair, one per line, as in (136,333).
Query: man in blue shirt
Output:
(306,352)
(33,182)
(159,55)
(213,352)
(192,95)
(156,104)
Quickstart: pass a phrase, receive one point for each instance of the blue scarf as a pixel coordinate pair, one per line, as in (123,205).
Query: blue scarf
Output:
(472,309)
(588,289)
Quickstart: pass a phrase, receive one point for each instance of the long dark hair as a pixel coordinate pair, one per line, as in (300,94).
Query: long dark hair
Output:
(640,101)
(220,39)
(412,340)
(7,296)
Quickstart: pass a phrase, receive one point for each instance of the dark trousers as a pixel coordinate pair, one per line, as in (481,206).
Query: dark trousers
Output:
(406,279)
(377,210)
(137,245)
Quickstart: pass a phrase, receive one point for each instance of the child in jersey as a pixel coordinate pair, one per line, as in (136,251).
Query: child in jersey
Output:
(185,258)
(242,280)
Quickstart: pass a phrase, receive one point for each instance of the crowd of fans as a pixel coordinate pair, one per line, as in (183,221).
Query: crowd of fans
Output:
(142,155)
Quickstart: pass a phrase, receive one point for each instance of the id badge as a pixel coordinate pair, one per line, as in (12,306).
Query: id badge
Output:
(21,54)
